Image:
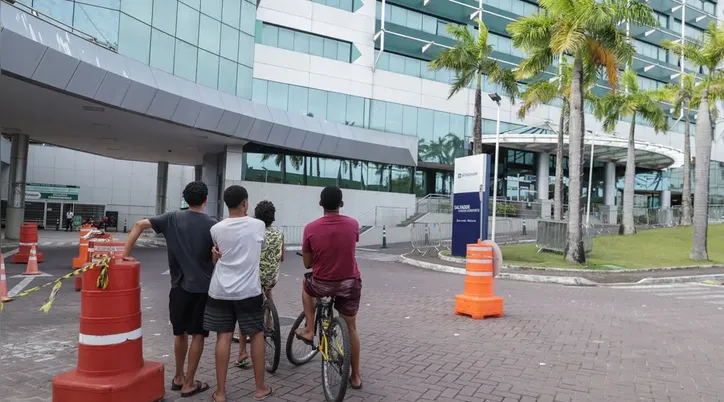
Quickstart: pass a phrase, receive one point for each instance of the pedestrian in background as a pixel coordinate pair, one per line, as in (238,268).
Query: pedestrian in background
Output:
(69,221)
(189,244)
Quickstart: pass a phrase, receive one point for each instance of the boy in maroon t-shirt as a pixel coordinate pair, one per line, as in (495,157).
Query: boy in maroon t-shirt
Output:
(328,249)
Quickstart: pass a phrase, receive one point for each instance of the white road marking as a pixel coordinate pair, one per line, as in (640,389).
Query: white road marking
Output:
(20,286)
(166,272)
(42,274)
(709,296)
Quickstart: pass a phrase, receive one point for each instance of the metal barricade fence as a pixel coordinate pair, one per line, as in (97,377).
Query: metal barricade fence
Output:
(292,235)
(421,240)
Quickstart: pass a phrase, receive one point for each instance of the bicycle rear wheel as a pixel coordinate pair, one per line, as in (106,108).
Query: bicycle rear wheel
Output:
(272,337)
(299,352)
(335,368)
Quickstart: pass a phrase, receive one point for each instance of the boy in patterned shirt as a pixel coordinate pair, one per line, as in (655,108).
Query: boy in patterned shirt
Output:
(272,256)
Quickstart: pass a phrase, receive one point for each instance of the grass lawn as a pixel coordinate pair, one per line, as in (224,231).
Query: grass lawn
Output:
(647,249)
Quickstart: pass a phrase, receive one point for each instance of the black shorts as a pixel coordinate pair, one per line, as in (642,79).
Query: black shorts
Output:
(222,315)
(187,312)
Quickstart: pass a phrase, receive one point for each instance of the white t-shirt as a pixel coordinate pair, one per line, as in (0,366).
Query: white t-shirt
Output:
(69,215)
(236,275)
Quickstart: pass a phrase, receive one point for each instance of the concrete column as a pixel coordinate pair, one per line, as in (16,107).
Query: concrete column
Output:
(161,187)
(666,199)
(16,187)
(609,186)
(609,195)
(209,175)
(198,169)
(542,176)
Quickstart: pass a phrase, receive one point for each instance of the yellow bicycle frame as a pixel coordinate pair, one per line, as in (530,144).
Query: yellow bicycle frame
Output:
(324,344)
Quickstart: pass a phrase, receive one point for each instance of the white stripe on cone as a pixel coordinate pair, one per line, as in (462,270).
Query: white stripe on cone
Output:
(27,244)
(479,273)
(108,340)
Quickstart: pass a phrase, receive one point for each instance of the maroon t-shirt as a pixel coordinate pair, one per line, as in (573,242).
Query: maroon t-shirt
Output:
(332,240)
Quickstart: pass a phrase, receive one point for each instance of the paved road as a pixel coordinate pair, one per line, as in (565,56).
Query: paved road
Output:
(554,343)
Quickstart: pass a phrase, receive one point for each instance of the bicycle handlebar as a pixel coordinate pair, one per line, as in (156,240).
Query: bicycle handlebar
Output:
(300,254)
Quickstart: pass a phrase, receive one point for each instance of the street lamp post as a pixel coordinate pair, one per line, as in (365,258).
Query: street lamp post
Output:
(495,98)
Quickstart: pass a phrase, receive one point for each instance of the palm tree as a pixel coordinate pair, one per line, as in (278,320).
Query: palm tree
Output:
(685,97)
(708,53)
(587,30)
(469,59)
(634,103)
(544,92)
(279,160)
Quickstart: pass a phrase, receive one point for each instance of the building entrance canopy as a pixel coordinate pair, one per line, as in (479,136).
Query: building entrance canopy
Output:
(68,91)
(607,148)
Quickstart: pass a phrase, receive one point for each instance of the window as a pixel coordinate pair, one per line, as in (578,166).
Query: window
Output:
(188,21)
(195,4)
(305,42)
(248,17)
(61,10)
(139,9)
(227,76)
(162,9)
(246,50)
(212,8)
(102,23)
(208,69)
(162,51)
(185,60)
(244,81)
(231,13)
(298,100)
(229,42)
(209,34)
(134,39)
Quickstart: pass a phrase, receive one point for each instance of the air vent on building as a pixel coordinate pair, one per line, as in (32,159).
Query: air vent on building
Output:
(94,109)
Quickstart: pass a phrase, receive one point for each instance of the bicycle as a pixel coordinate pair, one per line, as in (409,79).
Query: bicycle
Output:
(335,354)
(272,336)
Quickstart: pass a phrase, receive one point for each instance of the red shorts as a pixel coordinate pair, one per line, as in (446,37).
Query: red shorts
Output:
(346,292)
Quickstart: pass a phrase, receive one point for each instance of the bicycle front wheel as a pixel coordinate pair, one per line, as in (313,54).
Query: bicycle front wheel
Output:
(272,337)
(299,352)
(336,365)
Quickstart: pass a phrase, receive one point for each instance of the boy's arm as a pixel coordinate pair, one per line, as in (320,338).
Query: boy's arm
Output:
(136,231)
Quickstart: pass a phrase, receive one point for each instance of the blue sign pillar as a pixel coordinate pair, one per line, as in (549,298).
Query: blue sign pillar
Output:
(471,198)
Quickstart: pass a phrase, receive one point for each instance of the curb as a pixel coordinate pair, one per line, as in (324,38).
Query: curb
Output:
(458,260)
(561,280)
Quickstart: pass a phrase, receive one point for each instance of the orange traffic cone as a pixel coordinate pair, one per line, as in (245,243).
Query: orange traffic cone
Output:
(3,284)
(32,268)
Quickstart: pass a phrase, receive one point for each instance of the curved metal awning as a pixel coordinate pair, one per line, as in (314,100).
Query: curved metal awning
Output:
(45,55)
(543,138)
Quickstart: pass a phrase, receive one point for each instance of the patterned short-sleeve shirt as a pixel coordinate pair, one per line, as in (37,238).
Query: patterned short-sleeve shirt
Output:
(271,256)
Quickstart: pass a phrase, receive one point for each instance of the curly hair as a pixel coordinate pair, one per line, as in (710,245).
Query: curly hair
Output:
(265,211)
(195,193)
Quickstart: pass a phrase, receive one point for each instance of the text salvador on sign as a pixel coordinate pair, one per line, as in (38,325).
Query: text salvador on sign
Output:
(39,191)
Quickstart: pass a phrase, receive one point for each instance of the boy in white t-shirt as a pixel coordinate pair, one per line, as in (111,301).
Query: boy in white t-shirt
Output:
(235,293)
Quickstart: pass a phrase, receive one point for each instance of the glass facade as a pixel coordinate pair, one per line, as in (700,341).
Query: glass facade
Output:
(210,42)
(441,134)
(304,42)
(320,171)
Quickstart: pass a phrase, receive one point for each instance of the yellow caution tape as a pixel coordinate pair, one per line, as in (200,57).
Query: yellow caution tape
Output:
(101,283)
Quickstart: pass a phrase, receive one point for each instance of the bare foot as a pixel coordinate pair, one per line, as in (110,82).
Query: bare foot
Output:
(355,382)
(305,335)
(216,398)
(263,394)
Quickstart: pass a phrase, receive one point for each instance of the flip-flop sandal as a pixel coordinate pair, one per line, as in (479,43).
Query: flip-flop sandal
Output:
(303,339)
(241,363)
(200,387)
(355,386)
(271,393)
(175,387)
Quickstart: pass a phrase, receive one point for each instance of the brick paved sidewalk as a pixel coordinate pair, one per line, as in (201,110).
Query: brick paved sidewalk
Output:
(554,344)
